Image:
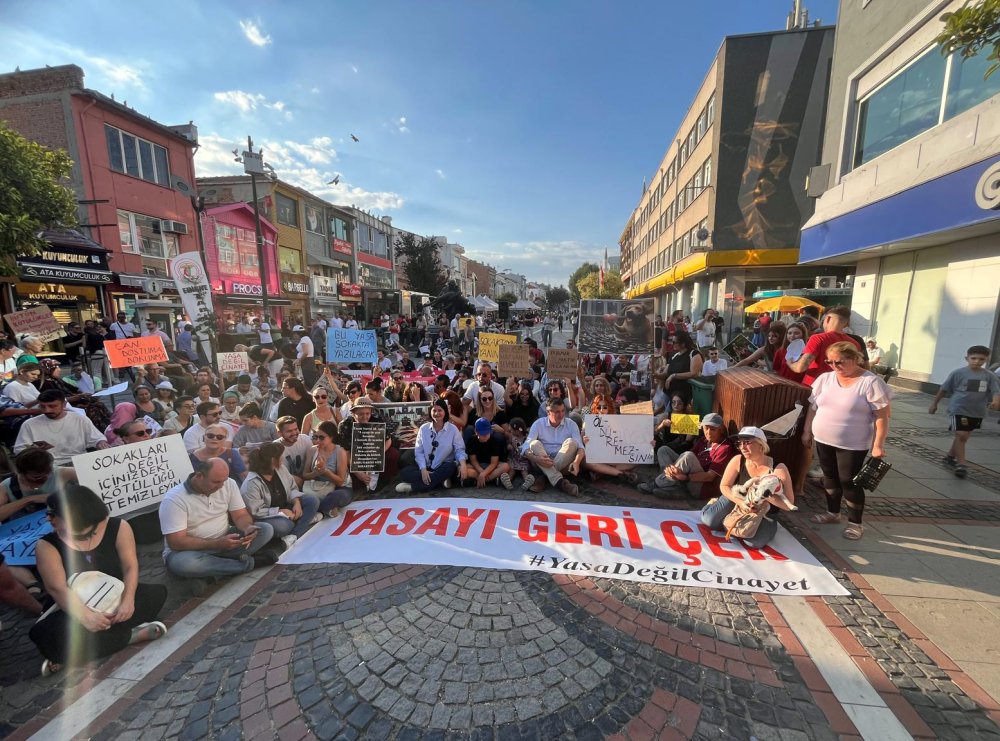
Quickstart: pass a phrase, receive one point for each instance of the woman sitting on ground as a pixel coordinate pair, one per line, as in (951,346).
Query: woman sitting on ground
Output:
(87,539)
(439,454)
(415,391)
(484,406)
(165,395)
(323,412)
(521,401)
(296,402)
(764,356)
(271,495)
(183,416)
(217,445)
(751,464)
(326,471)
(665,437)
(147,406)
(124,413)
(621,471)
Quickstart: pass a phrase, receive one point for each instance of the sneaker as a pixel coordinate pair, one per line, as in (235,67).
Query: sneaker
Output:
(529,479)
(447,483)
(961,471)
(373,482)
(403,488)
(568,487)
(950,460)
(539,486)
(646,488)
(505,480)
(289,540)
(317,518)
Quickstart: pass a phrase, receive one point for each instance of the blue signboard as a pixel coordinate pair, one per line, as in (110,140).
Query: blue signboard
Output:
(18,538)
(351,346)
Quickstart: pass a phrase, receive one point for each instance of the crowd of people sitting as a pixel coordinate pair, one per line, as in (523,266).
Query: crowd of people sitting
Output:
(271,453)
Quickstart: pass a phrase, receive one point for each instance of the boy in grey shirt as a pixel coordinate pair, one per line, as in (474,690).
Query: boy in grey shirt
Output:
(972,389)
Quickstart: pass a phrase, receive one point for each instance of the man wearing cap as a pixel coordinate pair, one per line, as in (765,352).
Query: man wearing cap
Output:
(487,457)
(697,472)
(361,412)
(245,391)
(305,355)
(553,447)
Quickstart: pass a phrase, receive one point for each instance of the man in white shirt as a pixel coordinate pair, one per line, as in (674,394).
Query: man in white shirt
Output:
(454,327)
(351,323)
(705,329)
(337,322)
(55,430)
(714,364)
(209,413)
(151,330)
(484,378)
(21,389)
(296,446)
(243,326)
(264,332)
(207,530)
(553,446)
(305,353)
(121,329)
(321,320)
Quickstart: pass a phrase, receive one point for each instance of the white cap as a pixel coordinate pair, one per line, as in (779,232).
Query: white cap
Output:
(752,432)
(298,328)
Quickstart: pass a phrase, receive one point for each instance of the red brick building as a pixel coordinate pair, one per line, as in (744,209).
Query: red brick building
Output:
(134,178)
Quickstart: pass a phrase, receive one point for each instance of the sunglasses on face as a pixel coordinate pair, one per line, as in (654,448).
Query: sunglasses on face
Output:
(321,396)
(318,436)
(210,436)
(486,398)
(141,433)
(837,363)
(746,442)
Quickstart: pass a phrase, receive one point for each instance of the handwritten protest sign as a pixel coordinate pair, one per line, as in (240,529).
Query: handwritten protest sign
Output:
(233,362)
(37,321)
(514,360)
(136,351)
(642,407)
(685,424)
(562,363)
(351,346)
(489,345)
(368,447)
(403,420)
(18,538)
(134,476)
(617,438)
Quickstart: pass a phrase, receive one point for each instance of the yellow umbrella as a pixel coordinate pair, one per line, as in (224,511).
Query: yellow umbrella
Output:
(780,303)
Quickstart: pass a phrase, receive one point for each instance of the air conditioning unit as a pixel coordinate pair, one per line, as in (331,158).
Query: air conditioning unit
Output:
(826,281)
(176,227)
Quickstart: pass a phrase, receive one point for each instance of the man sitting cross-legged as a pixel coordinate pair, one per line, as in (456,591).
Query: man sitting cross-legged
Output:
(553,447)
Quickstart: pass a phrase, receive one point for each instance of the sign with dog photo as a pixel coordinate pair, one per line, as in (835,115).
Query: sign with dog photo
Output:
(615,326)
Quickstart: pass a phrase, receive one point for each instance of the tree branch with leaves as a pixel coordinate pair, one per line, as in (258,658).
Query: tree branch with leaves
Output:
(420,264)
(971,29)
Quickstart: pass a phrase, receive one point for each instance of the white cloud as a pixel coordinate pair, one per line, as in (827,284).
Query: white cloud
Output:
(248,102)
(295,163)
(456,231)
(401,125)
(354,69)
(546,261)
(314,90)
(440,174)
(254,34)
(28,49)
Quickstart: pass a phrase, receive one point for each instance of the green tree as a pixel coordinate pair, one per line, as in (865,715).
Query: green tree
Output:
(508,297)
(556,297)
(971,29)
(580,272)
(589,285)
(421,264)
(32,196)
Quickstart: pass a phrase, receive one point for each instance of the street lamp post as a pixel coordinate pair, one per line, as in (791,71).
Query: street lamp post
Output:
(254,165)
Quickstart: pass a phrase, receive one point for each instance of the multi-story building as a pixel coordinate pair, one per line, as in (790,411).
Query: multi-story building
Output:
(509,282)
(723,210)
(133,177)
(908,187)
(480,277)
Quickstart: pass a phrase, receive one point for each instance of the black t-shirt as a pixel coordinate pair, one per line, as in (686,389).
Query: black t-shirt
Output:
(618,370)
(528,412)
(297,409)
(484,451)
(500,418)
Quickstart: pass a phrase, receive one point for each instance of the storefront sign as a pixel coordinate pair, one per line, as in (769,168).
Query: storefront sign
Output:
(582,540)
(375,277)
(37,321)
(342,246)
(47,272)
(349,290)
(294,286)
(56,292)
(245,289)
(324,287)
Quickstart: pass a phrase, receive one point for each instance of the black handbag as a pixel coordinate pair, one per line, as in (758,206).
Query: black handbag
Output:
(872,473)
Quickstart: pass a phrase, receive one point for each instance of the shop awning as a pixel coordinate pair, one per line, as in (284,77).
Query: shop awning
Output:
(701,262)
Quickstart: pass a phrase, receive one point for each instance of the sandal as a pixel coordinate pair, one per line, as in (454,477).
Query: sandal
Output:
(854,531)
(35,589)
(826,518)
(148,632)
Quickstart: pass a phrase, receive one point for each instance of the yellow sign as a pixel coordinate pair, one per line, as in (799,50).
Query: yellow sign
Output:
(56,292)
(489,345)
(684,424)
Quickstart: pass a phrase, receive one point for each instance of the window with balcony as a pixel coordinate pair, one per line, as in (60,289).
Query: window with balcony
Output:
(137,157)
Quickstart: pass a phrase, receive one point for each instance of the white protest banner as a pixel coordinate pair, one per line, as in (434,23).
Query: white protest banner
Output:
(619,438)
(634,543)
(135,476)
(233,362)
(489,345)
(37,321)
(351,346)
(18,538)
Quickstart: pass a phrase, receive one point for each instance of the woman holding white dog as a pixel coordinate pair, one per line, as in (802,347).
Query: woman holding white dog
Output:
(730,512)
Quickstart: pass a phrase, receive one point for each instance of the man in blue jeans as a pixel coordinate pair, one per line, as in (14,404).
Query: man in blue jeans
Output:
(206,526)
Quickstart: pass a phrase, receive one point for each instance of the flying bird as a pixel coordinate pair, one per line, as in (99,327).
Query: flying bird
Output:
(335,181)
(355,138)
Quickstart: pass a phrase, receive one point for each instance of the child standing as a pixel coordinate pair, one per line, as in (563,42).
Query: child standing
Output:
(970,389)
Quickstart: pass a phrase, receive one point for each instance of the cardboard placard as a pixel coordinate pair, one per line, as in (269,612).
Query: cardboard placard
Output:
(134,476)
(403,420)
(37,321)
(685,424)
(562,363)
(514,360)
(466,322)
(351,346)
(640,407)
(618,438)
(233,362)
(136,351)
(489,345)
(368,447)
(18,538)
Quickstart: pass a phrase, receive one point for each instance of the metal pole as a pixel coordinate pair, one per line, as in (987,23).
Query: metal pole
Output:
(260,244)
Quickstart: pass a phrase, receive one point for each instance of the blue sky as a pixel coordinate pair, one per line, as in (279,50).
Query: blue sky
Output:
(522,130)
